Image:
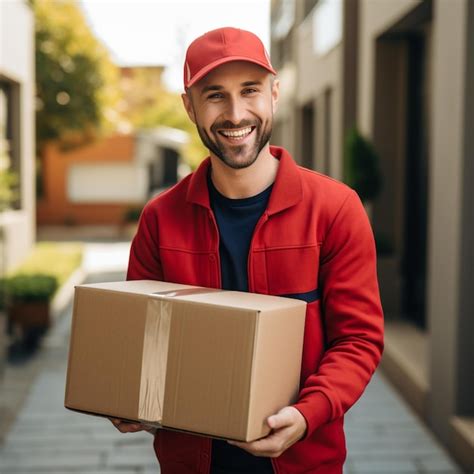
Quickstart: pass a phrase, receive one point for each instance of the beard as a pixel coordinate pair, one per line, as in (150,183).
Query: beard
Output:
(237,156)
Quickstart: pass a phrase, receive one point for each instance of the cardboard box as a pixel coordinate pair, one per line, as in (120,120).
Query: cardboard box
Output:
(196,359)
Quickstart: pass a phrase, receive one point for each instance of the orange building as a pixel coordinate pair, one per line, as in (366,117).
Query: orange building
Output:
(96,184)
(63,172)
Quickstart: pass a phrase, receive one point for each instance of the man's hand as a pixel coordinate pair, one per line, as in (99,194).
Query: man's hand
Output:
(288,426)
(128,427)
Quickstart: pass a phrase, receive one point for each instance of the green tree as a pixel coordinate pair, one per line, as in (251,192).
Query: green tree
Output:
(76,83)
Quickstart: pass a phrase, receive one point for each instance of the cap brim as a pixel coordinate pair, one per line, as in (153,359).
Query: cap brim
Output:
(207,69)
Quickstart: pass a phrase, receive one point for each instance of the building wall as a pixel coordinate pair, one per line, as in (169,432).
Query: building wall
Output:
(17,68)
(435,381)
(316,75)
(430,365)
(451,245)
(285,116)
(65,203)
(311,82)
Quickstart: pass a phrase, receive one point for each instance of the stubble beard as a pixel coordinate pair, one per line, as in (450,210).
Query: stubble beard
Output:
(227,153)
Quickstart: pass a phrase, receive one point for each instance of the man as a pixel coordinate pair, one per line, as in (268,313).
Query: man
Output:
(250,219)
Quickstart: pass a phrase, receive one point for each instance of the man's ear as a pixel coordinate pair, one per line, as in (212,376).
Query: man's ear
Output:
(275,93)
(188,105)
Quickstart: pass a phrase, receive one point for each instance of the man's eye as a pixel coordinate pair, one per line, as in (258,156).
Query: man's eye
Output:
(249,91)
(215,96)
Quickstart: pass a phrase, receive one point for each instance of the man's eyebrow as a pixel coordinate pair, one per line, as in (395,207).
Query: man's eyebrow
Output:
(212,87)
(251,83)
(216,87)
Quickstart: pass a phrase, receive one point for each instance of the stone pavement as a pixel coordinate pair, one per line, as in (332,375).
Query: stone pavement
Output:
(383,435)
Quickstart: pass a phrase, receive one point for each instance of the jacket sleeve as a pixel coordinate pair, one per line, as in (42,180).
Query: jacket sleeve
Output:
(352,314)
(144,261)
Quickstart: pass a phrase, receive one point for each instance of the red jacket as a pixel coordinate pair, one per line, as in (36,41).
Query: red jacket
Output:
(314,234)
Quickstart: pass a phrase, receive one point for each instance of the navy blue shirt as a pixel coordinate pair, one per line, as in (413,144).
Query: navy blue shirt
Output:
(236,220)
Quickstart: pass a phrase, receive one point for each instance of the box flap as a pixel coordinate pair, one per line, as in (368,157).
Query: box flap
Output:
(238,299)
(143,287)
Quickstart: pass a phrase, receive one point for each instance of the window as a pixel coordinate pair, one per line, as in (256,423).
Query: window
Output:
(327,25)
(9,149)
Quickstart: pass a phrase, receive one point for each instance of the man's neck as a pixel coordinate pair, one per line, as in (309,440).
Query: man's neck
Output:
(245,182)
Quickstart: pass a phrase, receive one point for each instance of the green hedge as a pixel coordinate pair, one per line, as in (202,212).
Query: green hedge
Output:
(46,268)
(29,288)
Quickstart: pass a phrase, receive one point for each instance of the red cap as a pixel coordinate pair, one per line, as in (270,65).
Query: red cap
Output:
(221,46)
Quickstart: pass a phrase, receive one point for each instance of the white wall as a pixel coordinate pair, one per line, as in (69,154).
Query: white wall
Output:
(92,183)
(17,65)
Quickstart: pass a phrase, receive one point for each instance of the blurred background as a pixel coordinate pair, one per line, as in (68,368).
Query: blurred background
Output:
(376,93)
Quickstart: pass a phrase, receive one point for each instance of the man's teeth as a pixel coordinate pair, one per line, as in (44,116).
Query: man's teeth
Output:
(237,133)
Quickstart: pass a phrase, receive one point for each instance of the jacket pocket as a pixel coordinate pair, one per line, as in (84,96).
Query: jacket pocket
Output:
(292,270)
(308,296)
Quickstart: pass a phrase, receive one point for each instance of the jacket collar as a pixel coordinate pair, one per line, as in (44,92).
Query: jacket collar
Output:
(287,189)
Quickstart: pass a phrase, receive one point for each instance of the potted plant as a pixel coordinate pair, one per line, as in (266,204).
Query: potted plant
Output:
(361,166)
(28,301)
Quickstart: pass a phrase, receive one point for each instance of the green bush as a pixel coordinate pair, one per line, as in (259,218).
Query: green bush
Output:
(29,288)
(361,166)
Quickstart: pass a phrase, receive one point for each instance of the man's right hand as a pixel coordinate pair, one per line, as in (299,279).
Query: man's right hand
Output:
(128,427)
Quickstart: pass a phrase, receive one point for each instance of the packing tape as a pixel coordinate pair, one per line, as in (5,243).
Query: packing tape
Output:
(155,351)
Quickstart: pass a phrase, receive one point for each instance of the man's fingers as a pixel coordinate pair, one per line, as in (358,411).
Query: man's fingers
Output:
(271,446)
(283,418)
(126,427)
(288,426)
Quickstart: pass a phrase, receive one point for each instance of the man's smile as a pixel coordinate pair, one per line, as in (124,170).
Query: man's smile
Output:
(236,135)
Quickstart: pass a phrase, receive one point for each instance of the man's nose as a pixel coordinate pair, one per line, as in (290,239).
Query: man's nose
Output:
(235,111)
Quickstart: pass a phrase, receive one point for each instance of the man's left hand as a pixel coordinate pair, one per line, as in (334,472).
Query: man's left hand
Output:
(288,426)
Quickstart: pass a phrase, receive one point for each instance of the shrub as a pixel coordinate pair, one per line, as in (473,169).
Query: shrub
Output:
(29,288)
(361,166)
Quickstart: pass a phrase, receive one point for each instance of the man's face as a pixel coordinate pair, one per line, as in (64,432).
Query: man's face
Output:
(232,108)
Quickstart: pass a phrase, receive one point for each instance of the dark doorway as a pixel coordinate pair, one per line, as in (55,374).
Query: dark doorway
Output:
(170,167)
(307,135)
(163,171)
(400,132)
(327,131)
(413,265)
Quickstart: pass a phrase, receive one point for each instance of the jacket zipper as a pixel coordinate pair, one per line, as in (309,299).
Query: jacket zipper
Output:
(215,250)
(261,221)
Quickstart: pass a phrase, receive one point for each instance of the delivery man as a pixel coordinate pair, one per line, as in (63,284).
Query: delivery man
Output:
(250,219)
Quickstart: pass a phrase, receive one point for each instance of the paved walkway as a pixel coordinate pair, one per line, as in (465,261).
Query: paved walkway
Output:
(383,436)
